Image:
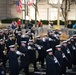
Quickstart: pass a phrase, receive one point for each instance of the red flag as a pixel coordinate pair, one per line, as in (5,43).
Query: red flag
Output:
(19,6)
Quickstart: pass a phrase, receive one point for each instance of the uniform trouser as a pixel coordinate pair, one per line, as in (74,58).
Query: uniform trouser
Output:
(26,69)
(34,64)
(41,56)
(69,65)
(63,69)
(14,71)
(41,60)
(4,60)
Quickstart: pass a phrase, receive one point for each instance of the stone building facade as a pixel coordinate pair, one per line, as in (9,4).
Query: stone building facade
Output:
(8,9)
(45,11)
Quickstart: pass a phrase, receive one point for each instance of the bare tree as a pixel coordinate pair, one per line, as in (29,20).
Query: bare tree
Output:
(36,10)
(65,7)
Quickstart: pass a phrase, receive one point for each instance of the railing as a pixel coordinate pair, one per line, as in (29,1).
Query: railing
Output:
(66,33)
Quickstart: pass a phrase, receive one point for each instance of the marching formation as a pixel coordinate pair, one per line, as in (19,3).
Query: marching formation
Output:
(63,58)
(21,47)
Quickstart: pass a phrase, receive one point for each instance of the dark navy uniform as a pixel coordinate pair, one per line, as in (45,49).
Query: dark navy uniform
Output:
(41,52)
(61,59)
(25,38)
(13,62)
(19,39)
(1,34)
(46,45)
(10,31)
(24,59)
(2,56)
(71,48)
(32,31)
(10,42)
(50,65)
(57,35)
(2,69)
(73,42)
(52,40)
(68,55)
(6,35)
(32,53)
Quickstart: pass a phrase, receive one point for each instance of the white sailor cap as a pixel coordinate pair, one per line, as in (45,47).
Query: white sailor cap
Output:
(11,46)
(23,36)
(68,40)
(10,35)
(30,40)
(74,35)
(55,35)
(49,50)
(58,46)
(45,34)
(23,42)
(38,36)
(64,42)
(71,38)
(1,31)
(19,31)
(26,33)
(1,40)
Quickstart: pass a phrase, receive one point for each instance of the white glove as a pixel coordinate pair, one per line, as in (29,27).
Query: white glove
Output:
(39,48)
(29,47)
(43,39)
(18,53)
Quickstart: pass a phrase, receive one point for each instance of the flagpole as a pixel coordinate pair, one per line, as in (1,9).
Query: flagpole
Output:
(26,9)
(58,13)
(23,2)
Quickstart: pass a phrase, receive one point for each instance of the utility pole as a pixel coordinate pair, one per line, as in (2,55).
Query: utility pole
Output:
(35,13)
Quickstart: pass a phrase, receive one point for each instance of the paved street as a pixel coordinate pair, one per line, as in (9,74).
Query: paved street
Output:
(40,71)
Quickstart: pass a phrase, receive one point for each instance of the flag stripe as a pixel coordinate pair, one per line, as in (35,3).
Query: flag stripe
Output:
(19,6)
(21,3)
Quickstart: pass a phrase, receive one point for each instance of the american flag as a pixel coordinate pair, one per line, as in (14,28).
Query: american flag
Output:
(31,3)
(19,6)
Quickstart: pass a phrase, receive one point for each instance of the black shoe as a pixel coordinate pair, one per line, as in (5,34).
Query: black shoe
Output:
(35,69)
